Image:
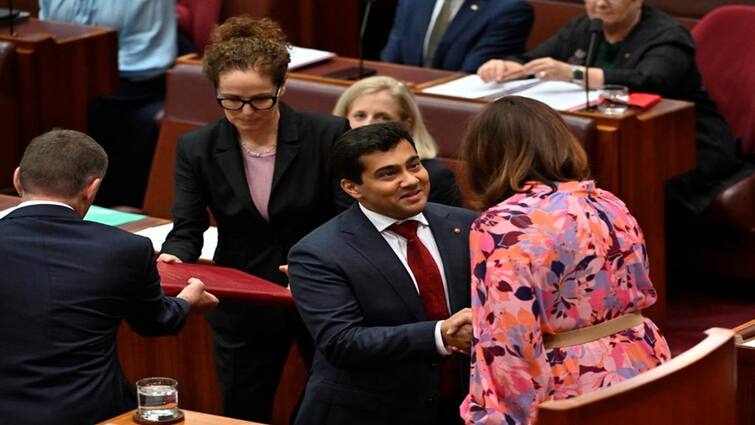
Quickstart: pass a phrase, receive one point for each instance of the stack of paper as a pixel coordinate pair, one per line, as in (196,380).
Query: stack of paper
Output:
(559,95)
(158,234)
(302,56)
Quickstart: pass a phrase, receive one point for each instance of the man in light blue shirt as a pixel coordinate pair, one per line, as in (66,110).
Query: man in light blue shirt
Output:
(124,121)
(146,30)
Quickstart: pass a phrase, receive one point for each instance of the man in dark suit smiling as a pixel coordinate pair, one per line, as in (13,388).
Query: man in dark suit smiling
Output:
(384,289)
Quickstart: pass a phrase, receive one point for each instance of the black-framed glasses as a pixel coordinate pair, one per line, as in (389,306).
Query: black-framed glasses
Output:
(262,103)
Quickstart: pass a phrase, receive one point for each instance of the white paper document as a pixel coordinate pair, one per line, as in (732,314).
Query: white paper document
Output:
(472,87)
(559,95)
(302,56)
(158,234)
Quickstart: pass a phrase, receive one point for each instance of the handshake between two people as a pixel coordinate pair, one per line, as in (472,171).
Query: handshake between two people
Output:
(457,331)
(194,293)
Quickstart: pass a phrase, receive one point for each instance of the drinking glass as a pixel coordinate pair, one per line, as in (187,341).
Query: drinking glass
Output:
(158,399)
(613,99)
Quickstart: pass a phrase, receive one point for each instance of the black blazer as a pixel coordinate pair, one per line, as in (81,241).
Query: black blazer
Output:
(443,187)
(210,175)
(66,286)
(376,360)
(658,56)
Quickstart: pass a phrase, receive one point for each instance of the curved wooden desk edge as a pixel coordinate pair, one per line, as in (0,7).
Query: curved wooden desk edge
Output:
(715,339)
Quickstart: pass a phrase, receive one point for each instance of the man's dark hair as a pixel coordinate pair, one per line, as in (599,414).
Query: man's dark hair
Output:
(61,163)
(346,154)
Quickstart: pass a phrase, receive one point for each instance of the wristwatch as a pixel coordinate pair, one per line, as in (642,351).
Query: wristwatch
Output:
(577,74)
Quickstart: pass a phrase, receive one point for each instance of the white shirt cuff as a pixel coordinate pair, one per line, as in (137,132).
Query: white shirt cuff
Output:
(439,345)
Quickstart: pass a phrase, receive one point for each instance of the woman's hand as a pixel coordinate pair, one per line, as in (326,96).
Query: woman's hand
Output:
(548,69)
(500,70)
(168,258)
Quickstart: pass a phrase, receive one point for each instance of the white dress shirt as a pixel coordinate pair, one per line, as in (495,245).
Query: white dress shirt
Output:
(455,7)
(7,211)
(399,246)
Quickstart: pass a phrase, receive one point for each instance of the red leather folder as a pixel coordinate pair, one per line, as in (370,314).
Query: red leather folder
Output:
(643,100)
(224,283)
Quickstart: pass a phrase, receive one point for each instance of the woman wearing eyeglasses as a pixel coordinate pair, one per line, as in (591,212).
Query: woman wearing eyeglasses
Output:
(262,172)
(648,51)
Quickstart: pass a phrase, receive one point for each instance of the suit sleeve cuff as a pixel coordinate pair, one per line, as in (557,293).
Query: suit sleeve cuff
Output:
(439,345)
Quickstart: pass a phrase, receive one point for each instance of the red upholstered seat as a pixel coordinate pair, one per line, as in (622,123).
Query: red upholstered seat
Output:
(724,242)
(726,59)
(196,18)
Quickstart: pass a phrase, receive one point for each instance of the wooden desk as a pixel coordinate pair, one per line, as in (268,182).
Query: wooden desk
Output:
(414,77)
(190,418)
(745,373)
(61,66)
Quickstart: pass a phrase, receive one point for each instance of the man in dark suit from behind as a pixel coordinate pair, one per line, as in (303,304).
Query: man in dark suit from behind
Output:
(66,285)
(384,290)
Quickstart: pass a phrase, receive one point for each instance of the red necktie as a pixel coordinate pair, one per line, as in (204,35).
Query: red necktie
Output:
(425,271)
(433,296)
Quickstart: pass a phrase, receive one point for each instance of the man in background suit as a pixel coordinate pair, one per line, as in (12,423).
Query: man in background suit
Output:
(457,35)
(376,286)
(66,285)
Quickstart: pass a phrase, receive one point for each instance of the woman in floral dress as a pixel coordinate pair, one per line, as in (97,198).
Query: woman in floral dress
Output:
(551,254)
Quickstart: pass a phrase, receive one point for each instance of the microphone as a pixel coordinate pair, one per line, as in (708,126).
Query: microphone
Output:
(11,18)
(596,27)
(358,72)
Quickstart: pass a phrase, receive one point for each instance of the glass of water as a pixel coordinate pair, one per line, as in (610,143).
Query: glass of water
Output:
(613,99)
(158,400)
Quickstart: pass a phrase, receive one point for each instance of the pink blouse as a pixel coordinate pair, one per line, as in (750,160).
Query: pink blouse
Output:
(259,168)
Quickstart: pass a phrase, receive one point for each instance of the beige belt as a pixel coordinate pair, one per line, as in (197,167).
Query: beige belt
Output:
(594,332)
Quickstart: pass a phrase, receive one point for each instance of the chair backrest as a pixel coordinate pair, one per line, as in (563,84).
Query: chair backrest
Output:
(189,104)
(727,64)
(10,148)
(196,18)
(312,96)
(697,387)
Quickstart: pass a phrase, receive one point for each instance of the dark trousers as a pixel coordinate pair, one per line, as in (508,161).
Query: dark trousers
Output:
(251,344)
(124,124)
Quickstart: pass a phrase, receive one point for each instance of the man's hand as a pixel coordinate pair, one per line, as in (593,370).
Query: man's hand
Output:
(199,299)
(168,258)
(283,269)
(457,331)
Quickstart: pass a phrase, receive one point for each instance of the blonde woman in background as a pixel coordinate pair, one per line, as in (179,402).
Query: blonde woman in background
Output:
(381,99)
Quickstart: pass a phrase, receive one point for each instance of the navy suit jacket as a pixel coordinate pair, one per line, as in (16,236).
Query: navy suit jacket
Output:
(66,285)
(480,31)
(375,360)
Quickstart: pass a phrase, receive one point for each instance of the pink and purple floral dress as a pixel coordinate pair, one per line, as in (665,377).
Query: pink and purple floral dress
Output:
(546,262)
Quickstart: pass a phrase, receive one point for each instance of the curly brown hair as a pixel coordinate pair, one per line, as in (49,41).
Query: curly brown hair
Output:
(242,43)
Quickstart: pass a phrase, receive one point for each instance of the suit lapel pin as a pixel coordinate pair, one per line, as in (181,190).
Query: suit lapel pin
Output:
(627,55)
(474,7)
(457,230)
